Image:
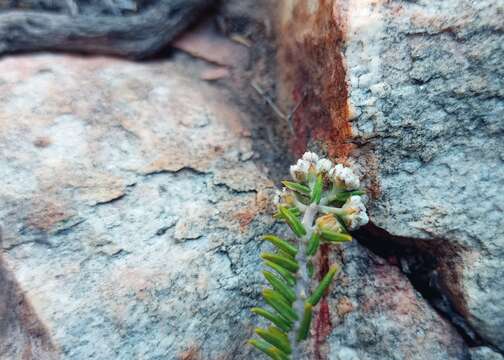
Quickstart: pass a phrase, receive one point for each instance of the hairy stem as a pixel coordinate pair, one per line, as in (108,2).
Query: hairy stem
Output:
(302,285)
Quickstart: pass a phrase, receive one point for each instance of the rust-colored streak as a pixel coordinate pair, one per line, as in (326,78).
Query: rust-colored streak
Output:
(314,73)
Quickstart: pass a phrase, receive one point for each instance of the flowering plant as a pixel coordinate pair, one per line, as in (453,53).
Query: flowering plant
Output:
(321,205)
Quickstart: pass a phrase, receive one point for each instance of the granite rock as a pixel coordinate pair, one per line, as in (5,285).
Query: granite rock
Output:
(124,226)
(130,219)
(412,93)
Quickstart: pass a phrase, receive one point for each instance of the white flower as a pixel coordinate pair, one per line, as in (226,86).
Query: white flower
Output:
(356,213)
(344,177)
(310,157)
(300,170)
(324,165)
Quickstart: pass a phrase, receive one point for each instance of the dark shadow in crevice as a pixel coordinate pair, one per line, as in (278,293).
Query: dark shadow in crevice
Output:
(431,267)
(22,334)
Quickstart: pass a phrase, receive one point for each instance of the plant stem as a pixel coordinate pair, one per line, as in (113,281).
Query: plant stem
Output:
(302,285)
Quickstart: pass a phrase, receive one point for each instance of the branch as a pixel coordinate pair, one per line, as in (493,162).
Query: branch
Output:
(134,36)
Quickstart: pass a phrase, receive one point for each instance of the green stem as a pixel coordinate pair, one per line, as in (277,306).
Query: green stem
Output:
(303,279)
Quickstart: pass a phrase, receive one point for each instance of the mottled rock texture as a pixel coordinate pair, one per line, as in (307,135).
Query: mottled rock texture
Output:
(423,114)
(130,223)
(484,353)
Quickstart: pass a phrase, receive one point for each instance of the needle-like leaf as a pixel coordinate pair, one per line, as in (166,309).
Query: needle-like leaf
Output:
(343,196)
(281,244)
(316,193)
(292,221)
(323,286)
(286,263)
(277,284)
(335,237)
(313,243)
(287,275)
(277,302)
(275,339)
(268,349)
(275,319)
(304,327)
(302,189)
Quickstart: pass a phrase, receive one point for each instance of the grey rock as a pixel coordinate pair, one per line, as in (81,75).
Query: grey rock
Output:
(484,353)
(376,314)
(101,185)
(429,87)
(131,230)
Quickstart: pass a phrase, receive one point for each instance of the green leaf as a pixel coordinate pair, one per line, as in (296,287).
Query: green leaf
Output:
(287,275)
(302,189)
(284,254)
(275,338)
(292,220)
(281,244)
(268,349)
(344,195)
(280,286)
(277,320)
(316,193)
(304,327)
(336,237)
(286,263)
(313,243)
(309,268)
(277,302)
(323,286)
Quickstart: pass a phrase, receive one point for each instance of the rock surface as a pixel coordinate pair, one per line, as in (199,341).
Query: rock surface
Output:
(376,314)
(484,353)
(424,85)
(130,222)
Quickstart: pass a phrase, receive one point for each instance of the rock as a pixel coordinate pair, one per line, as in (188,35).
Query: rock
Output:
(375,313)
(423,86)
(129,228)
(103,179)
(484,353)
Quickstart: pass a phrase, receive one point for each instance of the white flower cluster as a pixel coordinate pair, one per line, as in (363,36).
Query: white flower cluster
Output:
(342,176)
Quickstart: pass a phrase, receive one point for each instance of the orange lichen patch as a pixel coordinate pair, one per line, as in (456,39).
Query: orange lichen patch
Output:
(45,214)
(245,218)
(192,353)
(313,73)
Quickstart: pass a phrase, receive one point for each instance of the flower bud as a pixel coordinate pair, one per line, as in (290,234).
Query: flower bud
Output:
(344,178)
(356,213)
(310,157)
(329,222)
(299,172)
(324,166)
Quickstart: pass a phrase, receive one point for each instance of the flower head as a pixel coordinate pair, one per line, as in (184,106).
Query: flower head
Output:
(329,222)
(324,165)
(300,171)
(344,177)
(356,213)
(310,157)
(307,164)
(284,197)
